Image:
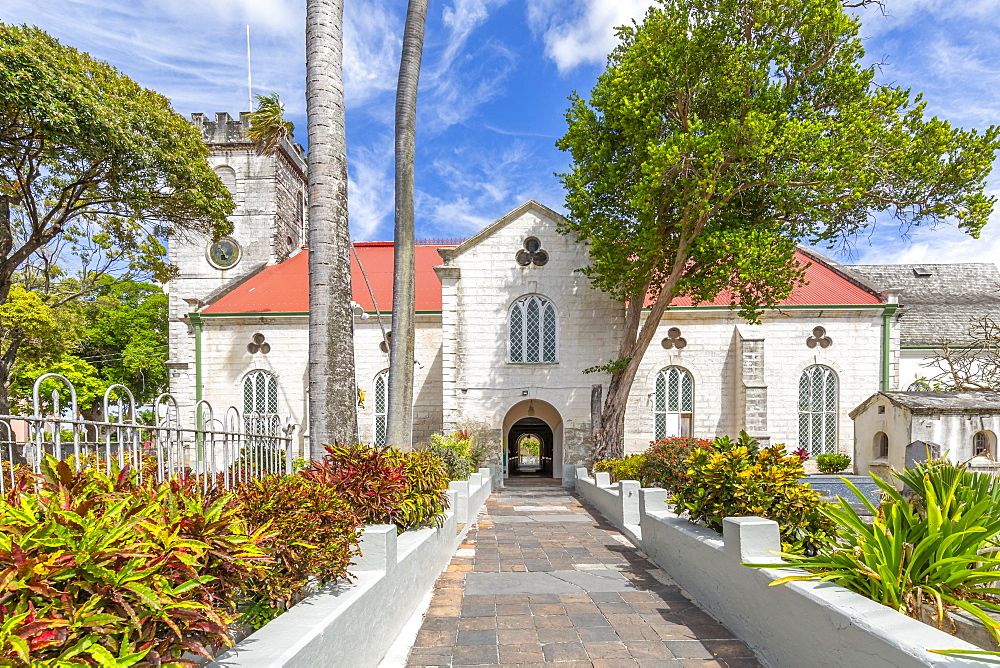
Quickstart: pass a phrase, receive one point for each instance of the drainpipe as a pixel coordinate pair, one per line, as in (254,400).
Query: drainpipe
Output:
(887,313)
(196,322)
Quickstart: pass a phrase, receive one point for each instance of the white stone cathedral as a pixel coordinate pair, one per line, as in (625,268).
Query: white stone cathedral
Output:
(506,325)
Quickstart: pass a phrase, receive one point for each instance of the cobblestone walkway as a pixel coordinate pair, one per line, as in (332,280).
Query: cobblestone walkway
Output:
(544,579)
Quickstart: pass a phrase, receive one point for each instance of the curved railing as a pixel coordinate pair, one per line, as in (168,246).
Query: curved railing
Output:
(221,451)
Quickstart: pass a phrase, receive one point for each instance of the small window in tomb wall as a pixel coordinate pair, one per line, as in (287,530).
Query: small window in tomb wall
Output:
(880,446)
(983,444)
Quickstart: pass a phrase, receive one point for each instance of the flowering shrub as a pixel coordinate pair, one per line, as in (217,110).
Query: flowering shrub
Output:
(627,468)
(737,483)
(664,465)
(100,569)
(311,533)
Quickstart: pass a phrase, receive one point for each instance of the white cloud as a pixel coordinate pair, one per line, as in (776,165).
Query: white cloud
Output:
(577,36)
(461,18)
(372,44)
(370,193)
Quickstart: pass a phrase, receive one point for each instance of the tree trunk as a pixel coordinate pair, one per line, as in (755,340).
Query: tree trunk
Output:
(609,441)
(332,384)
(400,410)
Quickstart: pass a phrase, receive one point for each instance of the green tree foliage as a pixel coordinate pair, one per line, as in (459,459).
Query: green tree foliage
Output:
(126,336)
(117,334)
(96,173)
(723,132)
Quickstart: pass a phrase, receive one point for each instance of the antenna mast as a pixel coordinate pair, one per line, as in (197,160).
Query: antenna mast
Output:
(249,75)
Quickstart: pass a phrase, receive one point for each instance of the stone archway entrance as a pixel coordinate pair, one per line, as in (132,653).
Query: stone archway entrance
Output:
(533,432)
(529,448)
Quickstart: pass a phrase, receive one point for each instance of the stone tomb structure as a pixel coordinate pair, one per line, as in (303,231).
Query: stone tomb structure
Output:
(506,325)
(897,429)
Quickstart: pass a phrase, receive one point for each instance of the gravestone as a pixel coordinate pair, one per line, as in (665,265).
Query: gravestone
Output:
(921,451)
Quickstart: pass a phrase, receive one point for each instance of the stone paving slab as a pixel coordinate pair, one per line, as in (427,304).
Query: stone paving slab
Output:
(548,517)
(523,591)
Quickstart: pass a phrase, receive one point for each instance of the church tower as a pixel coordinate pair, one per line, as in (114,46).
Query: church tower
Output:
(269,224)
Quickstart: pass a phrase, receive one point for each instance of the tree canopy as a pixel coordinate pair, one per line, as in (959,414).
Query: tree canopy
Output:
(116,334)
(725,131)
(96,173)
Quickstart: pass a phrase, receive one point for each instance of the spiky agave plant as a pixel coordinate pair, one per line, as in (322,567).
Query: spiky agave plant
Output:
(925,554)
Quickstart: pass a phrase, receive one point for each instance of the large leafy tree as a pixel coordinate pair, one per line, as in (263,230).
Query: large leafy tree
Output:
(723,132)
(96,173)
(400,414)
(332,385)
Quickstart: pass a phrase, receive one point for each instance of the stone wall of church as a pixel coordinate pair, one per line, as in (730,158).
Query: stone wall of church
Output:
(226,362)
(746,376)
(370,360)
(479,286)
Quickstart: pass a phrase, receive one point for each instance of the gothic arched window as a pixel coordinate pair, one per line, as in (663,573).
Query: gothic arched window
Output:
(260,403)
(818,410)
(533,331)
(673,403)
(381,403)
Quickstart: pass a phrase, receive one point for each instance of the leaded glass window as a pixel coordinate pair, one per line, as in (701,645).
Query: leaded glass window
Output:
(381,404)
(818,410)
(260,403)
(533,331)
(673,403)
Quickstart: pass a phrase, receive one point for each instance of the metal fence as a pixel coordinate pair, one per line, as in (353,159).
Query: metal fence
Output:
(219,450)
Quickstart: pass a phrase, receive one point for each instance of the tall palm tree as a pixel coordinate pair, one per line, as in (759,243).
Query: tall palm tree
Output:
(400,413)
(332,384)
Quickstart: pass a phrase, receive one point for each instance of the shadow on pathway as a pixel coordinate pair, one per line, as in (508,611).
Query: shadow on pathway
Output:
(543,578)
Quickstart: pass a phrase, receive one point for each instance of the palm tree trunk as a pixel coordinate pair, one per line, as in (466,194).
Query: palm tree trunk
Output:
(400,410)
(332,383)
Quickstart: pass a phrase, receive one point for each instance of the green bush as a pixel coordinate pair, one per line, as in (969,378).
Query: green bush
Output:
(460,451)
(627,468)
(311,533)
(832,462)
(735,482)
(924,554)
(456,454)
(101,569)
(663,465)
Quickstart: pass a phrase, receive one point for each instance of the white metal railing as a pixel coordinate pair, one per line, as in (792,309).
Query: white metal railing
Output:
(220,451)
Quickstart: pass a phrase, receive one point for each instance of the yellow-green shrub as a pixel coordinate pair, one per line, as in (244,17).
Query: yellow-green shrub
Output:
(737,482)
(627,468)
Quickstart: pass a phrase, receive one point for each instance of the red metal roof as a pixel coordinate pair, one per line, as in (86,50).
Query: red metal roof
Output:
(824,286)
(284,288)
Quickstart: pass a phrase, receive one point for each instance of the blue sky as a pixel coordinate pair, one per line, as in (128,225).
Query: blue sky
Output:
(493,89)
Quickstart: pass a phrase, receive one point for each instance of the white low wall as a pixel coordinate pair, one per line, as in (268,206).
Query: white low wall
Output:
(795,624)
(354,625)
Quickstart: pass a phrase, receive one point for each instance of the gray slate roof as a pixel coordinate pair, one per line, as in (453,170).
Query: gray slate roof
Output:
(938,302)
(983,401)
